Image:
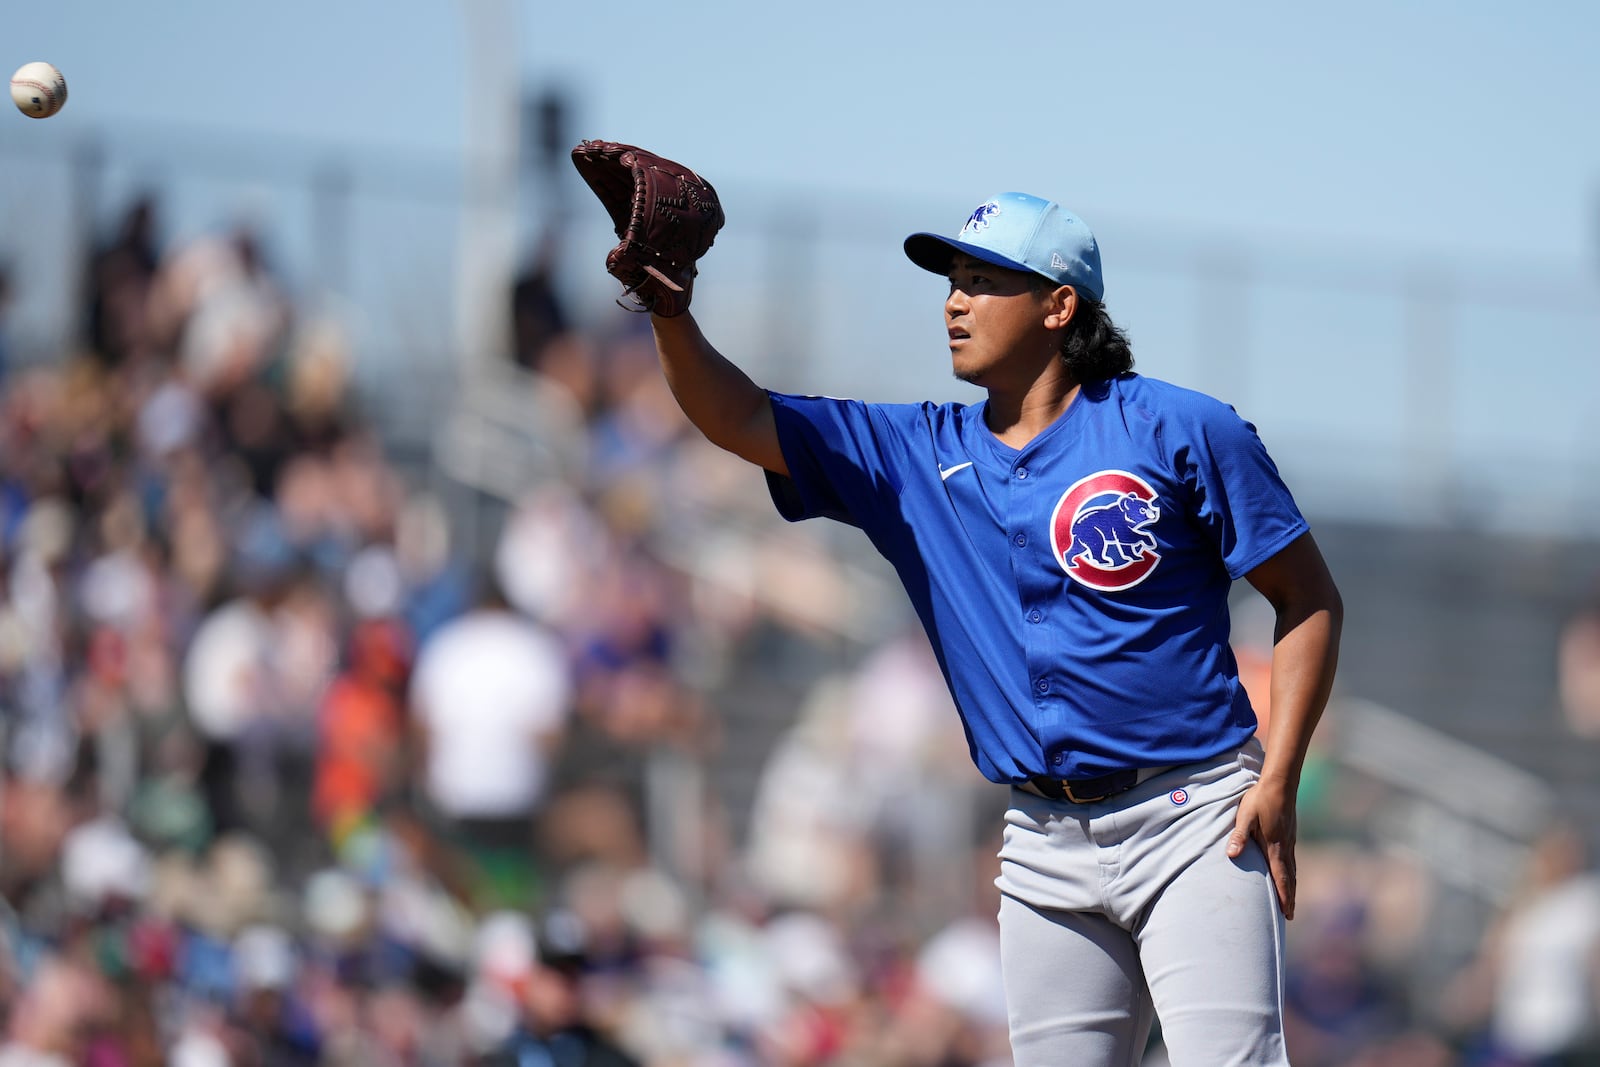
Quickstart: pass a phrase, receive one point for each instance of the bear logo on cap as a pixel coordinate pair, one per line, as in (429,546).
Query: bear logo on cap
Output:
(979,219)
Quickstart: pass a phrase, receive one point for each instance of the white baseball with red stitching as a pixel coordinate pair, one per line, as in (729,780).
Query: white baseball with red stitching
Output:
(38,90)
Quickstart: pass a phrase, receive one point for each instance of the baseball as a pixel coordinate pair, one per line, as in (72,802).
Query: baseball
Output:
(38,89)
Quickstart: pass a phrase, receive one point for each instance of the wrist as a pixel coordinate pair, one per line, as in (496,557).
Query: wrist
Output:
(1279,779)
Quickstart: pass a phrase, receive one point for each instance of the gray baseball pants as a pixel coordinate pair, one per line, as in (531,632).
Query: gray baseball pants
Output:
(1121,911)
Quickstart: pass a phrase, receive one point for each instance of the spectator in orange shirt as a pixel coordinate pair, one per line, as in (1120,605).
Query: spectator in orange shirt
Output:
(361,728)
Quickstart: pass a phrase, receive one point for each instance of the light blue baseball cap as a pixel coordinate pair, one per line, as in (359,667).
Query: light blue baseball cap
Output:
(1021,232)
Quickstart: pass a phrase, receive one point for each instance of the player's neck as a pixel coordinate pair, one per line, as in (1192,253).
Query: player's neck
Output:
(1018,417)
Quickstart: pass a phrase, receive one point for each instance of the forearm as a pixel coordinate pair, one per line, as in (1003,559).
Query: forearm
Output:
(722,402)
(1305,653)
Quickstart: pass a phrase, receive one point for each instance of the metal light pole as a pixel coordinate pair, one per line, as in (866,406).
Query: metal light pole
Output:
(487,247)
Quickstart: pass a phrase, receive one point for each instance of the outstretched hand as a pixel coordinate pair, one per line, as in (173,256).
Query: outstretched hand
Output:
(1267,814)
(666,215)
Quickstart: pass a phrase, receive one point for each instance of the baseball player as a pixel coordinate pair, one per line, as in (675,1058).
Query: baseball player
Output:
(1069,545)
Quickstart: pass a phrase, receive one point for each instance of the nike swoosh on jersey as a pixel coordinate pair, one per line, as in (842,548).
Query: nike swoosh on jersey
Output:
(946,472)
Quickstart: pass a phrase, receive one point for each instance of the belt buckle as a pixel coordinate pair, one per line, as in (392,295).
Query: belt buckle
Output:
(1066,791)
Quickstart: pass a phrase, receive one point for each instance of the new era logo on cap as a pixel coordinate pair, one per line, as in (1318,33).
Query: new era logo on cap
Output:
(1021,232)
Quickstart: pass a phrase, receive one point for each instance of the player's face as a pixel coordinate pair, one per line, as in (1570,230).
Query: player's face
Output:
(995,315)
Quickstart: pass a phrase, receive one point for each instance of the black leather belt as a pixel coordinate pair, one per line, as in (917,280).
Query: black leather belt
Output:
(1088,790)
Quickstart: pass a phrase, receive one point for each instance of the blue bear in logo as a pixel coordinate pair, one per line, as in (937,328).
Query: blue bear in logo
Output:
(1113,535)
(979,219)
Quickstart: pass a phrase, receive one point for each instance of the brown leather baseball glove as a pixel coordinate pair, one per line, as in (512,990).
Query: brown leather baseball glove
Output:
(665,213)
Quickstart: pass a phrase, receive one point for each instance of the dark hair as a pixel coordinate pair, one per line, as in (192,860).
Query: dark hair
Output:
(1095,349)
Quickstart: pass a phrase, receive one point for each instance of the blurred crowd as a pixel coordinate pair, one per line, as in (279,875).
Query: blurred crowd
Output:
(296,773)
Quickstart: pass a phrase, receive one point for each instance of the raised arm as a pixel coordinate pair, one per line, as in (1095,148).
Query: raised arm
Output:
(720,399)
(668,217)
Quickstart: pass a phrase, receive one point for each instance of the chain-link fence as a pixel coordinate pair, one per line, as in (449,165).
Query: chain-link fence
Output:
(1391,387)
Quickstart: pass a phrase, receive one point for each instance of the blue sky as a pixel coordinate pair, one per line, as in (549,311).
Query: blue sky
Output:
(1461,128)
(1335,152)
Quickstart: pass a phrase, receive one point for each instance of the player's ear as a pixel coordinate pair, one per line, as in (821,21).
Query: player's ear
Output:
(1061,303)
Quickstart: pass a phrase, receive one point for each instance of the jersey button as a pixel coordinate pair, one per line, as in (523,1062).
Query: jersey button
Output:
(1042,685)
(1035,615)
(1058,759)
(1022,472)
(1021,540)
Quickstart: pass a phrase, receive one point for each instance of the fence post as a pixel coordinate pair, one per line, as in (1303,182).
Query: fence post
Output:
(330,228)
(88,164)
(1429,389)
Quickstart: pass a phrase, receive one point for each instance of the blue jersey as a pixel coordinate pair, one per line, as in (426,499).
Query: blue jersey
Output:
(1075,590)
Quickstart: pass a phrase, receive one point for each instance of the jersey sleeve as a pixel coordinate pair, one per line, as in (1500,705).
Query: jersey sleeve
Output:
(1241,499)
(844,459)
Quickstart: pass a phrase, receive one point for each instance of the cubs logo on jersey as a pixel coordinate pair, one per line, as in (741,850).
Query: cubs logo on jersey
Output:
(1100,531)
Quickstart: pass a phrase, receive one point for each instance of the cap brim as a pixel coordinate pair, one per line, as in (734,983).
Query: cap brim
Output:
(934,253)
